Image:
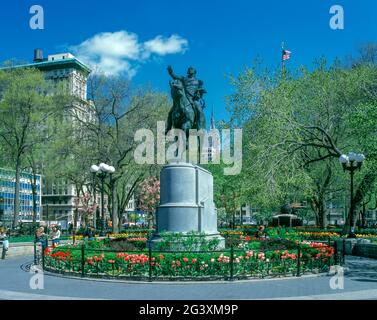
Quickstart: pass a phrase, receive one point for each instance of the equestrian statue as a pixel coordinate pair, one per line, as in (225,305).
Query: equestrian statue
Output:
(187,93)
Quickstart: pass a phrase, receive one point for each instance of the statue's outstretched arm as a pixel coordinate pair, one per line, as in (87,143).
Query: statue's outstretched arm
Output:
(172,74)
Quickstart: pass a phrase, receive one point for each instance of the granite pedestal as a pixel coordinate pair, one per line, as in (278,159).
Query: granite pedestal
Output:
(186,203)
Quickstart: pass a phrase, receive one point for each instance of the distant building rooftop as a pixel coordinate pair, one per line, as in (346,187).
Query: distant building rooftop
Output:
(53,62)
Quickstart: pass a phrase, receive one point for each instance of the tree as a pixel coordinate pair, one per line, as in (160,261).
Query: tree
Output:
(296,126)
(118,111)
(25,107)
(367,54)
(68,158)
(228,192)
(149,197)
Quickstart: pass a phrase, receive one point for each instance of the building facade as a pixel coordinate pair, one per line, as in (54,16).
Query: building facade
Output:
(58,202)
(59,197)
(27,197)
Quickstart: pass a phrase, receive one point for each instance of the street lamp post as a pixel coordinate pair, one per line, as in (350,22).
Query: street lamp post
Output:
(94,167)
(351,163)
(102,170)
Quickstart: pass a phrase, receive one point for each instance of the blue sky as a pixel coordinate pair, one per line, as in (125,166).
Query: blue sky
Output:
(218,37)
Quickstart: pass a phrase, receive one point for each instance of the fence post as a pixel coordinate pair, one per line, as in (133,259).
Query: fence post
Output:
(82,260)
(43,257)
(35,253)
(3,252)
(336,252)
(150,262)
(298,260)
(344,250)
(231,263)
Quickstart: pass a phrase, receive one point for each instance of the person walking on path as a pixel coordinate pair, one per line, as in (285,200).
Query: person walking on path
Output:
(4,239)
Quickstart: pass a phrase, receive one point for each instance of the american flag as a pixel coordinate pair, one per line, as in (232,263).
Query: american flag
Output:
(286,55)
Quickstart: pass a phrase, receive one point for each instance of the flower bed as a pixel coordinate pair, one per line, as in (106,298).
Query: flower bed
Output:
(123,235)
(298,233)
(162,265)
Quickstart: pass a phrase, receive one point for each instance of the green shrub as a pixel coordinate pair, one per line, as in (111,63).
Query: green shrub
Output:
(193,241)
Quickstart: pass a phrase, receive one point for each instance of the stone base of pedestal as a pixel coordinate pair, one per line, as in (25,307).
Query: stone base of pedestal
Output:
(186,203)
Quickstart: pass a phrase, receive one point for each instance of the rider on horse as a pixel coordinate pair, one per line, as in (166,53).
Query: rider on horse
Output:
(194,92)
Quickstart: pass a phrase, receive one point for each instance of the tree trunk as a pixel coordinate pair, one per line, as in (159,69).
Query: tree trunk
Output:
(363,188)
(114,208)
(16,202)
(120,209)
(76,212)
(120,224)
(346,226)
(322,216)
(75,218)
(314,206)
(86,220)
(363,216)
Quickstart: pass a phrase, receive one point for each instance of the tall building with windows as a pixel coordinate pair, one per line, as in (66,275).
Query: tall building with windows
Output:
(66,68)
(7,193)
(58,198)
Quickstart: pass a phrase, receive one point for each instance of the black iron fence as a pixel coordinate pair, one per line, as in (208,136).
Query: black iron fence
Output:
(150,265)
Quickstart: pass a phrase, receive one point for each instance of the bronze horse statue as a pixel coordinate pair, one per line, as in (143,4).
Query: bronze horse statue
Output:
(182,115)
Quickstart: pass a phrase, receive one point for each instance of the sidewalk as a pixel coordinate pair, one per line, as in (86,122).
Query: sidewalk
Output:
(360,283)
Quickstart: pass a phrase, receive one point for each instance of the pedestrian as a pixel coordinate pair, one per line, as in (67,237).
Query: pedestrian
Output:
(55,236)
(4,239)
(70,228)
(89,233)
(41,237)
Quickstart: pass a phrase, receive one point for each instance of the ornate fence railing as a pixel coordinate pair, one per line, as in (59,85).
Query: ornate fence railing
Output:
(152,265)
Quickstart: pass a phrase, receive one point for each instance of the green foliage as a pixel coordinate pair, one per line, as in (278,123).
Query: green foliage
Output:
(279,244)
(192,241)
(295,129)
(123,244)
(28,229)
(27,108)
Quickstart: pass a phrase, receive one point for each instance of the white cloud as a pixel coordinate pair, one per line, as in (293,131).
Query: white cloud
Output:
(119,52)
(114,66)
(163,46)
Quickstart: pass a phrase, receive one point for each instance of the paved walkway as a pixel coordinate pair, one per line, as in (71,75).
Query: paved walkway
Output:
(360,282)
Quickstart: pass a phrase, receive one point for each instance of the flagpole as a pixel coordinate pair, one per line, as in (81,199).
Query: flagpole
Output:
(282,60)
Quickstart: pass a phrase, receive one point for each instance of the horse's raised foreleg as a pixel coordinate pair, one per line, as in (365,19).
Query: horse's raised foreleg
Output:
(169,123)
